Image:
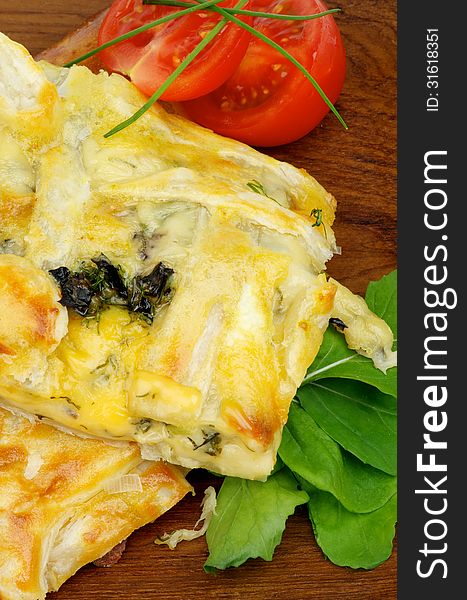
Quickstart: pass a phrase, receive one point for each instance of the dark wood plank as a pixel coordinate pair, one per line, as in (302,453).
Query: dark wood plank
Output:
(359,168)
(39,25)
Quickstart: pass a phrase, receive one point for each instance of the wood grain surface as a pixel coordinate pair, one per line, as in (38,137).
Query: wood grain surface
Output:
(359,167)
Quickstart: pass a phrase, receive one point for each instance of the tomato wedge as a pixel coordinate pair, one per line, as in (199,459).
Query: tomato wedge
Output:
(268,101)
(150,57)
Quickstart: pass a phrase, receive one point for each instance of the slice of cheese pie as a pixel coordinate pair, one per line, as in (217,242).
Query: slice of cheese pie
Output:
(164,285)
(67,501)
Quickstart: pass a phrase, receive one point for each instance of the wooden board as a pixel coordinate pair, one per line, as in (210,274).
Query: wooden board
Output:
(359,168)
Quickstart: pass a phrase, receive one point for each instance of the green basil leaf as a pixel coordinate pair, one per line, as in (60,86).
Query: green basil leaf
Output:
(381,297)
(335,359)
(250,519)
(357,416)
(309,451)
(352,539)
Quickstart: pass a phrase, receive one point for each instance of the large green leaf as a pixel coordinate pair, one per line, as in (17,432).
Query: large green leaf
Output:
(381,297)
(309,451)
(335,359)
(351,539)
(357,416)
(250,519)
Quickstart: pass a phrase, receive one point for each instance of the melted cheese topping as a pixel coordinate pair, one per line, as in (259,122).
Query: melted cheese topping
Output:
(210,381)
(32,322)
(16,193)
(365,333)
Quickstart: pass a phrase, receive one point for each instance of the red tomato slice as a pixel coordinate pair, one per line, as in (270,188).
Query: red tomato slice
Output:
(150,57)
(268,101)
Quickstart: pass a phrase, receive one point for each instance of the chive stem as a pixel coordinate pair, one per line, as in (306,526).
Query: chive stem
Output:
(181,67)
(138,30)
(251,13)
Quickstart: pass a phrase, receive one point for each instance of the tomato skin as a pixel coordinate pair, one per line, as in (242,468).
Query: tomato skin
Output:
(293,108)
(149,58)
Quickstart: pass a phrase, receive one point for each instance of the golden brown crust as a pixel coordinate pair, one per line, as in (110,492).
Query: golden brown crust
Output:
(30,313)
